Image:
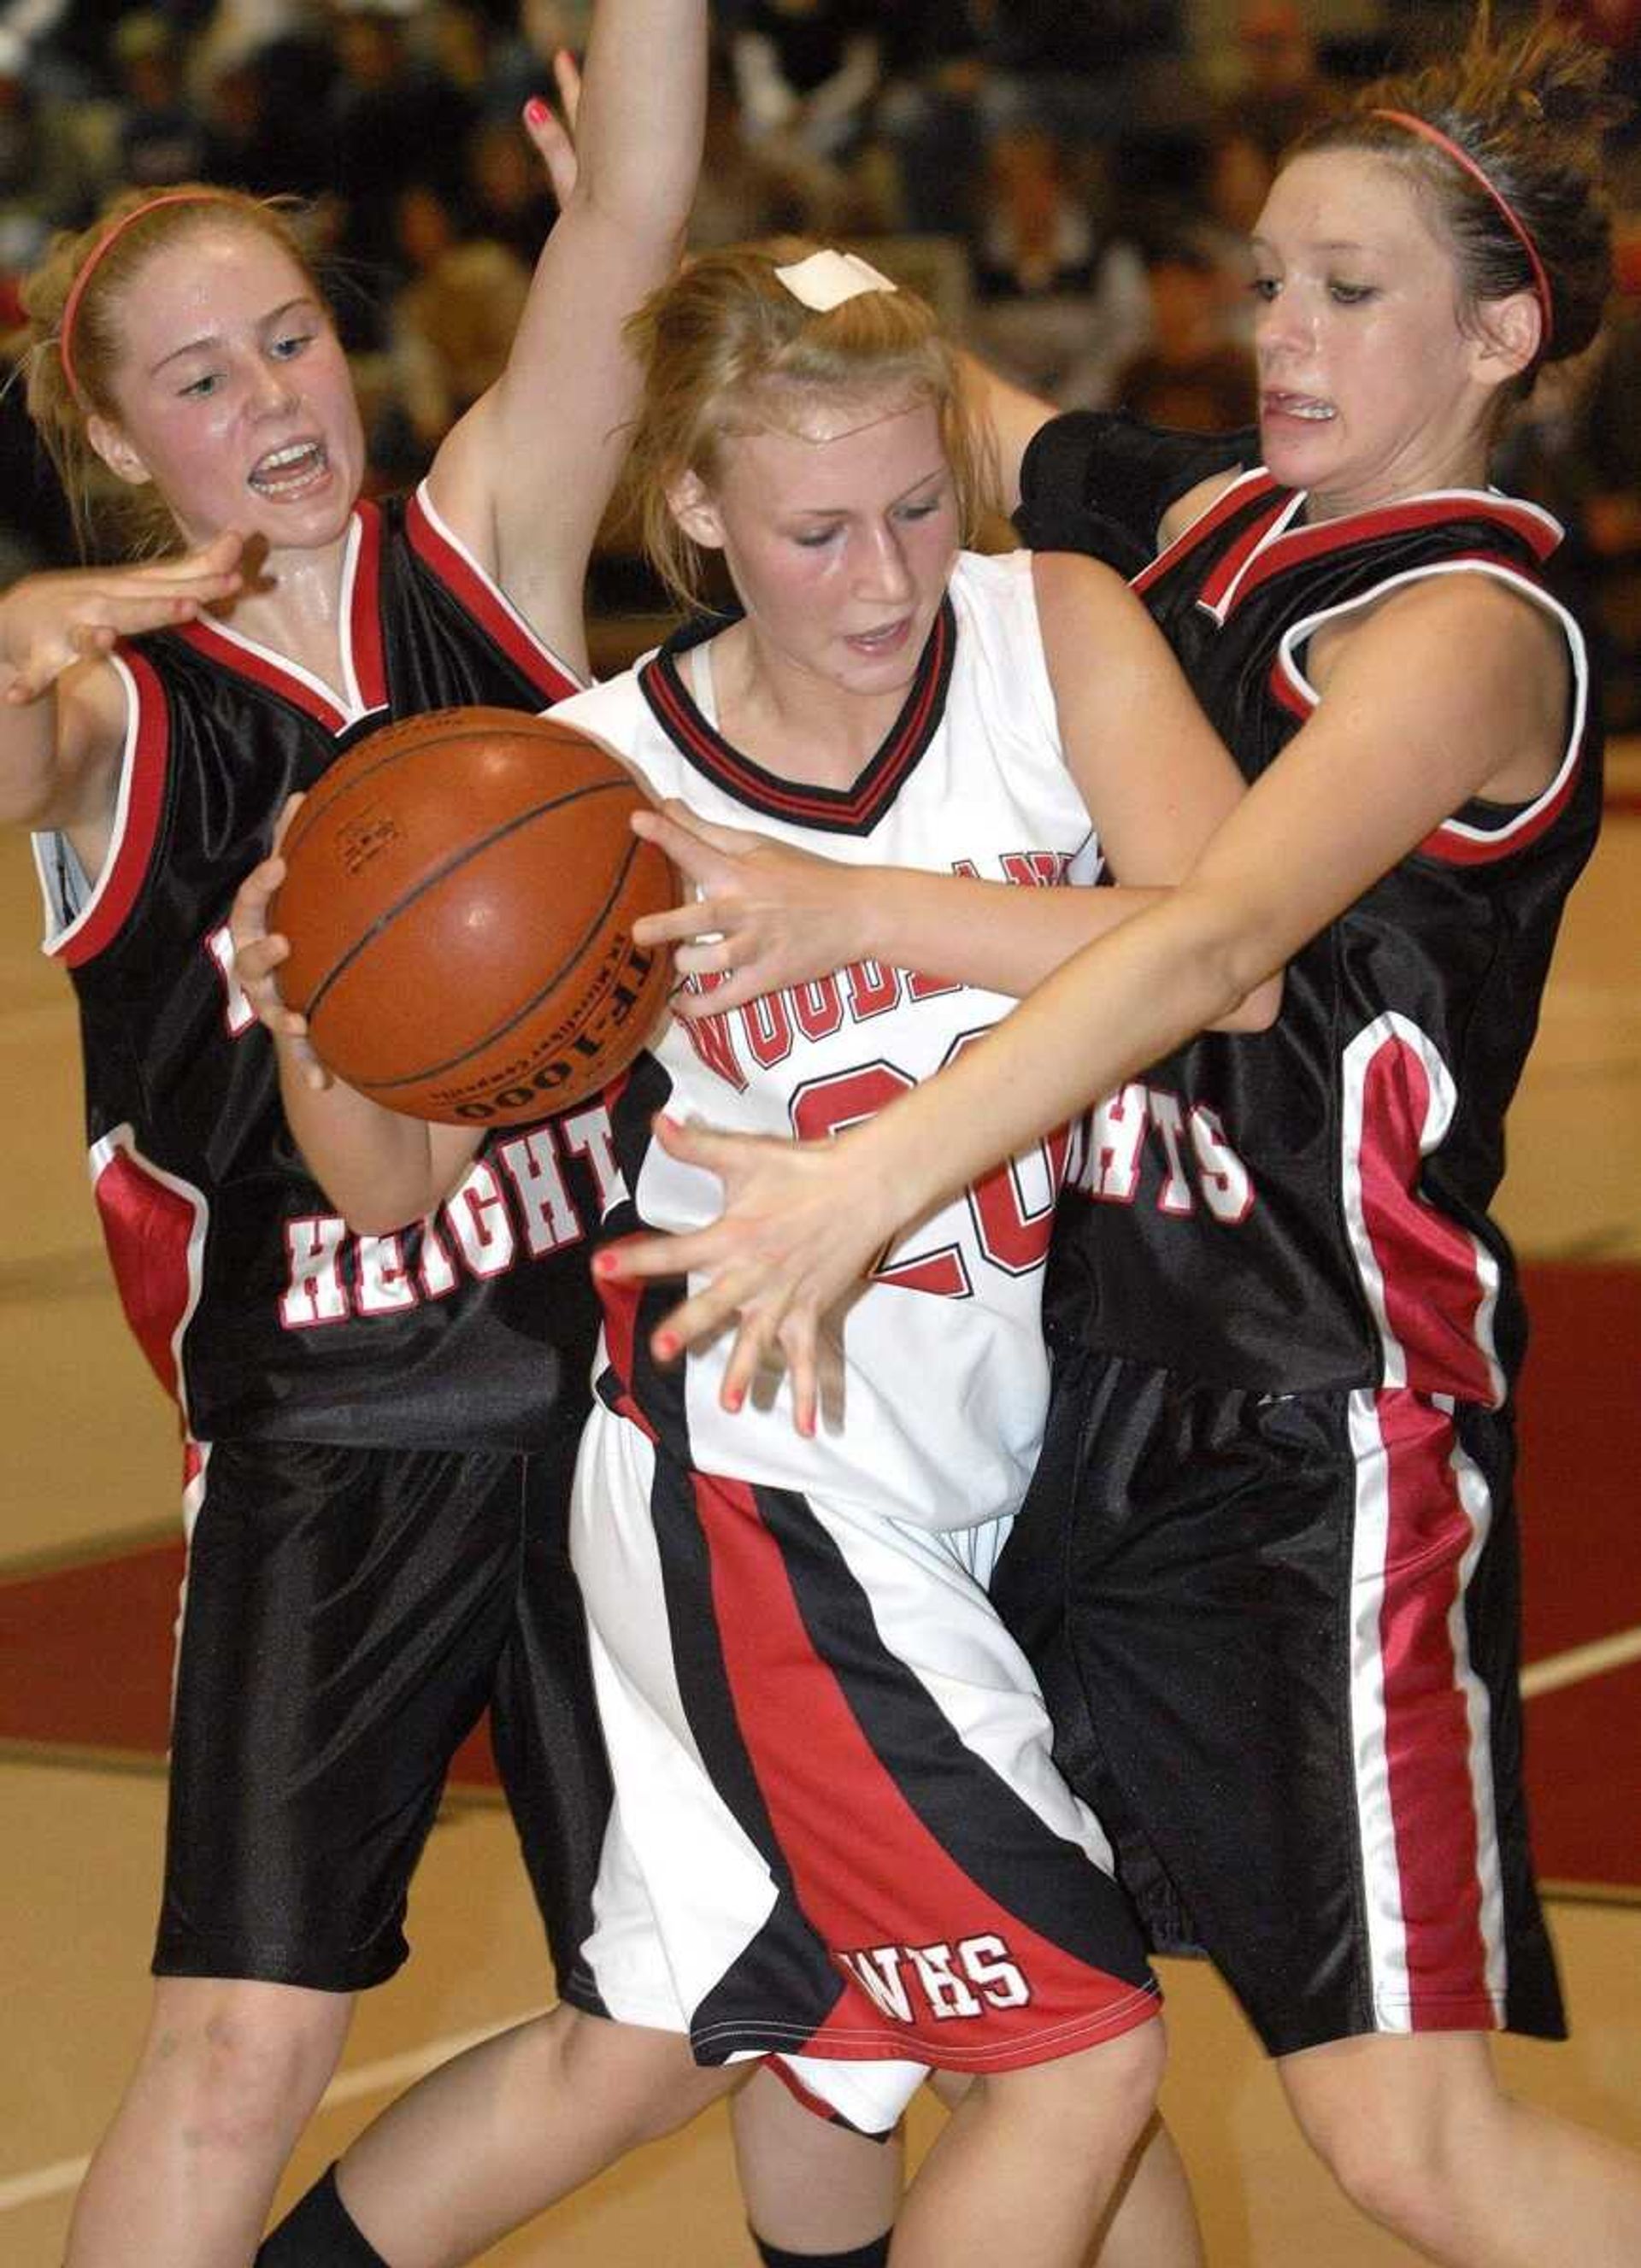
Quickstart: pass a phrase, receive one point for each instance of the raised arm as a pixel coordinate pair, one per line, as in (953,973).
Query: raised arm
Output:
(524,478)
(1394,747)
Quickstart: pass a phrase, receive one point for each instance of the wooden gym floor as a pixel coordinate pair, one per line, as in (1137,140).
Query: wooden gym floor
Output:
(91,1461)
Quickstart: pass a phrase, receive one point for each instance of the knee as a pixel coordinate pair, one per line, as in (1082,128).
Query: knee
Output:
(242,2059)
(647,2082)
(1398,2154)
(1105,2095)
(1395,2176)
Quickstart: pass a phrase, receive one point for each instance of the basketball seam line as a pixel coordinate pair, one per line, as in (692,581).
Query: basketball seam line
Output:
(385,922)
(500,1031)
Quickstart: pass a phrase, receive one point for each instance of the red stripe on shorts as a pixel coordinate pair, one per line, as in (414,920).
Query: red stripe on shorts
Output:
(1430,1743)
(868,1874)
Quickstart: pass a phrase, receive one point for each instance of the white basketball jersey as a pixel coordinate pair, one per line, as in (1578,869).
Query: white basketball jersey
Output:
(946,1374)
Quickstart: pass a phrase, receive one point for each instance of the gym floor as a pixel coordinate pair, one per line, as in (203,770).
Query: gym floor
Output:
(92,1466)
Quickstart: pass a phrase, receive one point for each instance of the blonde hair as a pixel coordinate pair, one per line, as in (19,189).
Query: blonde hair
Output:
(725,348)
(85,278)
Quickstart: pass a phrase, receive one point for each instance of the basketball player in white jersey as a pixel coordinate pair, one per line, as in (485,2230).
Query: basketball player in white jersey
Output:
(839,1841)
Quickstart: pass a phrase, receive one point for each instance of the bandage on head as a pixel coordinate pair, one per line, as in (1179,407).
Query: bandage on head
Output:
(826,279)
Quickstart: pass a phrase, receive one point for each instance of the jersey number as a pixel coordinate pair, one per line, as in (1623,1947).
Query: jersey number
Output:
(1011,1230)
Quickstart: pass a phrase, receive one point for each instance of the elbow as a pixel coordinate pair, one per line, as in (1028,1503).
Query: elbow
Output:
(1240,990)
(1259,1009)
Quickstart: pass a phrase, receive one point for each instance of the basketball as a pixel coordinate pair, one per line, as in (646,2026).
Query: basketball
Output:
(459,894)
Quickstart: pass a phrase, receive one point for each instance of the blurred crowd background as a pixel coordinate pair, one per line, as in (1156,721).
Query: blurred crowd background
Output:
(1070,180)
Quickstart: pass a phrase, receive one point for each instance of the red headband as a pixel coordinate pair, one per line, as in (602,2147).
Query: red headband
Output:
(1506,211)
(71,305)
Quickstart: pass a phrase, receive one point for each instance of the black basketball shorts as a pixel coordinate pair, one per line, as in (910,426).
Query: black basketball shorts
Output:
(348,1614)
(1279,1636)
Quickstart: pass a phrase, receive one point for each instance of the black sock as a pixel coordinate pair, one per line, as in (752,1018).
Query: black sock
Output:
(874,2254)
(318,2233)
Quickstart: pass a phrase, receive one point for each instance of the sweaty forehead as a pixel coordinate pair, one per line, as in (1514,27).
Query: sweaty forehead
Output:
(215,256)
(1336,198)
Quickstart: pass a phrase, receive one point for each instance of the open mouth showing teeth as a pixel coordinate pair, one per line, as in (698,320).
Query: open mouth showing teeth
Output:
(284,472)
(1300,405)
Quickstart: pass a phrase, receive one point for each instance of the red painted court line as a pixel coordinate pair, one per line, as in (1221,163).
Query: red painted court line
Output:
(1580,1477)
(1584,1767)
(86,1648)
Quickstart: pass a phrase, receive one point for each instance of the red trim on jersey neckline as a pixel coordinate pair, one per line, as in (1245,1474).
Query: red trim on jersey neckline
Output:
(442,554)
(841,811)
(1258,554)
(1292,547)
(131,853)
(1252,487)
(363,660)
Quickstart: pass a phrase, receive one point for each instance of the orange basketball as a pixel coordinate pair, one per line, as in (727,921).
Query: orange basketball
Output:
(459,898)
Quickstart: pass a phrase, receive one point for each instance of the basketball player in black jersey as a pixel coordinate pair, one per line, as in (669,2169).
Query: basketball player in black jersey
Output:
(377,1432)
(1268,1567)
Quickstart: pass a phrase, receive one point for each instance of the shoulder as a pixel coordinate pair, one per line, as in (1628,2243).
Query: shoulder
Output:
(1004,597)
(1504,626)
(1102,482)
(1460,661)
(1186,512)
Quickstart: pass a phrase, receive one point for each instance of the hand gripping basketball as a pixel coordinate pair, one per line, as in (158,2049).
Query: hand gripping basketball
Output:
(459,897)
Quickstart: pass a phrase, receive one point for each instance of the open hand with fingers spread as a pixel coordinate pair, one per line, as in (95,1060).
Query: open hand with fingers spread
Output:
(800,1230)
(48,622)
(769,915)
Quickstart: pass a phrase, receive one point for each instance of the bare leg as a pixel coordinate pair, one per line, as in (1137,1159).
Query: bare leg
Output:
(494,2136)
(1031,2159)
(1151,2222)
(228,2077)
(1418,2133)
(810,2186)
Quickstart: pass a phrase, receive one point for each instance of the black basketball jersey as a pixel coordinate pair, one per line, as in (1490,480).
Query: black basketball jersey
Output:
(252,1302)
(1307,1207)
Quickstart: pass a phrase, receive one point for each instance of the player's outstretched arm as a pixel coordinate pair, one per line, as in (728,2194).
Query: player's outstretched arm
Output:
(524,478)
(1399,742)
(379,1169)
(61,712)
(1155,776)
(769,915)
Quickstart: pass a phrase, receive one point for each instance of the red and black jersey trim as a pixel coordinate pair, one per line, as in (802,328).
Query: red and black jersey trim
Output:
(1256,490)
(137,820)
(452,565)
(363,691)
(1295,546)
(854,810)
